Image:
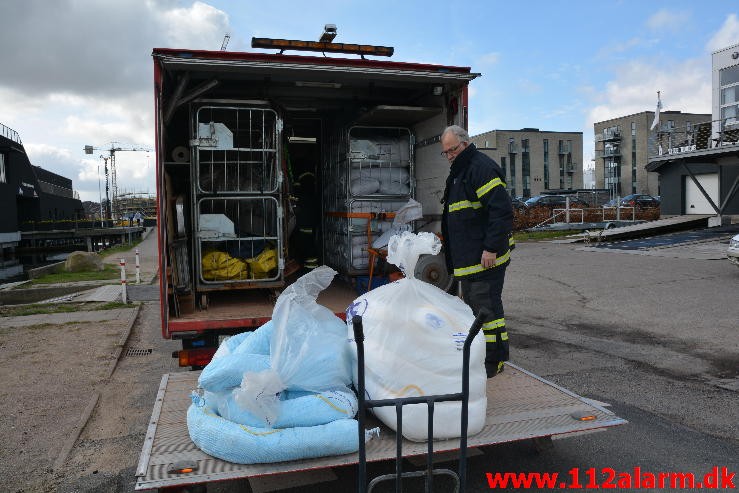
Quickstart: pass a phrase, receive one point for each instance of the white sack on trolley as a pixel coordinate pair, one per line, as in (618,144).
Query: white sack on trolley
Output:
(414,336)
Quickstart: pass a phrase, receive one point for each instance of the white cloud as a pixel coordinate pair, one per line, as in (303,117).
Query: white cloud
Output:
(200,26)
(727,35)
(668,20)
(619,48)
(489,59)
(91,83)
(685,86)
(104,47)
(58,160)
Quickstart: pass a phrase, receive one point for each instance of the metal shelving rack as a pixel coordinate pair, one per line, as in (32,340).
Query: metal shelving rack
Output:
(368,171)
(236,193)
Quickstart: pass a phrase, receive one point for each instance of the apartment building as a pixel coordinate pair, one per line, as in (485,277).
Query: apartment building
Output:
(535,161)
(698,164)
(622,150)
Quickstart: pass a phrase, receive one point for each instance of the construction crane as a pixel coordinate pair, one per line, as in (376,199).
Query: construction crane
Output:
(111,181)
(226,38)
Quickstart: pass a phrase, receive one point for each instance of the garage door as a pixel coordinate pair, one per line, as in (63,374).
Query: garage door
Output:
(695,201)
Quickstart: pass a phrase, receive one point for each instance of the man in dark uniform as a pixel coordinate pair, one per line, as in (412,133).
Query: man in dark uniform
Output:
(476,226)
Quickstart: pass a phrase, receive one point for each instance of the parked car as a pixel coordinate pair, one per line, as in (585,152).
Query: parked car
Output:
(733,252)
(556,202)
(639,200)
(611,203)
(518,203)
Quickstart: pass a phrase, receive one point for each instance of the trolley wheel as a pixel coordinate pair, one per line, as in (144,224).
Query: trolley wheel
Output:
(432,269)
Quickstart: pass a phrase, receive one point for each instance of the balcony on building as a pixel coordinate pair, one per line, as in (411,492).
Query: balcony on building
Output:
(609,151)
(668,142)
(608,135)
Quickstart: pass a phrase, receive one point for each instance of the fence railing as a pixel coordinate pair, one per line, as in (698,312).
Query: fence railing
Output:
(697,137)
(11,134)
(82,224)
(539,216)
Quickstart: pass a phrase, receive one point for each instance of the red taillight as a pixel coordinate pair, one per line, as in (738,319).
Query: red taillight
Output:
(196,357)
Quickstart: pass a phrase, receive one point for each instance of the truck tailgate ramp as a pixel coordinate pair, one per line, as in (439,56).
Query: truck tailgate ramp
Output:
(521,405)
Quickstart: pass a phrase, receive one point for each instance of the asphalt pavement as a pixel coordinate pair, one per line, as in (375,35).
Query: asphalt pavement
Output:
(654,336)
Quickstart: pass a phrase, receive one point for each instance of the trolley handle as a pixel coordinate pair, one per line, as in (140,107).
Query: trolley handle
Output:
(358,330)
(476,326)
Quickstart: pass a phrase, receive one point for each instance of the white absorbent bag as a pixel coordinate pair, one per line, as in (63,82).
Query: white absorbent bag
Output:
(414,337)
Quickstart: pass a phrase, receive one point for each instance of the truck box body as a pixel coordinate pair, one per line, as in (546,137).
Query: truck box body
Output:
(235,134)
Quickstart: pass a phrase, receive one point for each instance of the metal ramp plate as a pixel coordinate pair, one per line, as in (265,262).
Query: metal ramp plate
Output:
(521,405)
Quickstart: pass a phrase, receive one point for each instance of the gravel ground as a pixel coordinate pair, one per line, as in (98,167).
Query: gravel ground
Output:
(52,374)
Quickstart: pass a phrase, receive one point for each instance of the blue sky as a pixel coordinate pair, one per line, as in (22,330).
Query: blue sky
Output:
(552,65)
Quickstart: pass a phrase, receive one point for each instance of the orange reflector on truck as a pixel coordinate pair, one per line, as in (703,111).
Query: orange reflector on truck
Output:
(182,467)
(583,416)
(195,357)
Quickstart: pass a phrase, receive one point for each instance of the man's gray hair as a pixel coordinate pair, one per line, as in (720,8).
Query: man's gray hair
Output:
(460,133)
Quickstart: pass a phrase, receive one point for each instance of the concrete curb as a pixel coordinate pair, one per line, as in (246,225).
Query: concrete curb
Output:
(72,439)
(122,341)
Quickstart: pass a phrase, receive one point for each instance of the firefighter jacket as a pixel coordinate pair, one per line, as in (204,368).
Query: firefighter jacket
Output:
(477,216)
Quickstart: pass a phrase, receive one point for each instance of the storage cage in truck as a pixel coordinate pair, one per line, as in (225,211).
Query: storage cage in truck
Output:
(236,135)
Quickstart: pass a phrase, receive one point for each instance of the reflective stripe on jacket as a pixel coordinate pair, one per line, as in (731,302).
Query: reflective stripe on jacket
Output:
(478,214)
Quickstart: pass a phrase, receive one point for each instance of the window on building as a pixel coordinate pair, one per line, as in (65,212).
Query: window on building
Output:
(487,143)
(512,179)
(633,129)
(568,175)
(612,173)
(729,75)
(505,171)
(546,164)
(3,176)
(633,163)
(525,168)
(729,115)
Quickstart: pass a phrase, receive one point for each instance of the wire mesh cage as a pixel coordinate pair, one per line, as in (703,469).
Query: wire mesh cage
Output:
(237,150)
(349,234)
(239,239)
(367,171)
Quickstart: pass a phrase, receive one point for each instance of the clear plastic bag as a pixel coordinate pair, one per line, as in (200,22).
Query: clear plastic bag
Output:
(308,349)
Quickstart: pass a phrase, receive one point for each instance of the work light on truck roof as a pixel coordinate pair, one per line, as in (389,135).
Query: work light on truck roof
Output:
(329,33)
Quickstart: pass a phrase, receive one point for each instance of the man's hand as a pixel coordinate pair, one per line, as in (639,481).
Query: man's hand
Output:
(488,259)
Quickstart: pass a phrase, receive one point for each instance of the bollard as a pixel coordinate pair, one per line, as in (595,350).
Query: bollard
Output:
(123,280)
(138,268)
(567,210)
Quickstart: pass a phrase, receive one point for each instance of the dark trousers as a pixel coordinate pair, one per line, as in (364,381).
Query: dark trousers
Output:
(486,293)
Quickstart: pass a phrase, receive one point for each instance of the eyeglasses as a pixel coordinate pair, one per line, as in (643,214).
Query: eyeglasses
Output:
(449,151)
